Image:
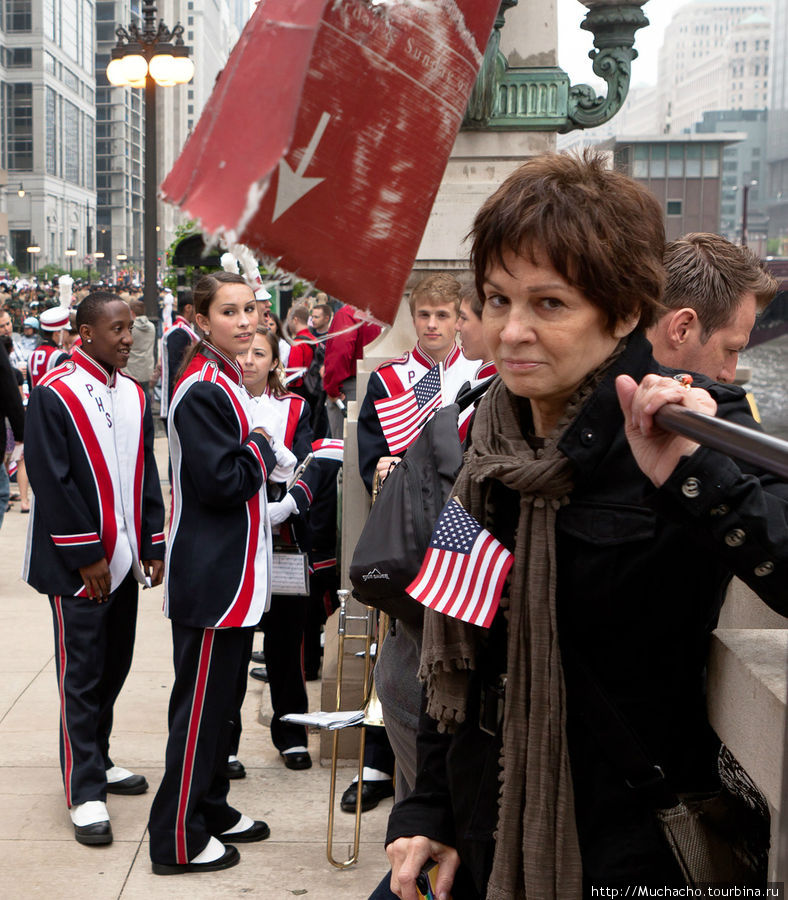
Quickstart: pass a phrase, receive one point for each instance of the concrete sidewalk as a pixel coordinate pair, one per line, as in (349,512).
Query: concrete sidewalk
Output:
(38,854)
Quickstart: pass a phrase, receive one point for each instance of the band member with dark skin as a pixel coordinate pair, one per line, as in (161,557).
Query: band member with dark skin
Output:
(96,532)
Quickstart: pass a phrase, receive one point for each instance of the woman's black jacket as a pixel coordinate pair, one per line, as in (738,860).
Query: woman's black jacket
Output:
(641,578)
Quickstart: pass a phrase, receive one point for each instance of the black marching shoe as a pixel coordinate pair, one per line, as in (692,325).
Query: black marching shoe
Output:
(260,673)
(372,792)
(258,656)
(121,781)
(231,857)
(257,831)
(298,760)
(97,833)
(234,769)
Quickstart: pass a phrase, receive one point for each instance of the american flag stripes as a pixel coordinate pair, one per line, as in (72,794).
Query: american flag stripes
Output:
(402,417)
(464,569)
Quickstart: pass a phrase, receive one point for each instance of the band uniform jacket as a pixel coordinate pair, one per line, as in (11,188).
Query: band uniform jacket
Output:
(43,359)
(89,455)
(394,378)
(174,344)
(217,571)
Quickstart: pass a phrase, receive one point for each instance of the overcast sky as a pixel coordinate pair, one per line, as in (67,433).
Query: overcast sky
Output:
(574,44)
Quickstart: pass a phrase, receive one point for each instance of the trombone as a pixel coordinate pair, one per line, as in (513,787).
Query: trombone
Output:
(373,711)
(373,714)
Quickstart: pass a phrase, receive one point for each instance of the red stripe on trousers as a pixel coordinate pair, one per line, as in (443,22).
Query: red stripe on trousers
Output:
(192,736)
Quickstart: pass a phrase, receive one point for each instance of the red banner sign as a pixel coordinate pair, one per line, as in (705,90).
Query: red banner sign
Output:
(327,135)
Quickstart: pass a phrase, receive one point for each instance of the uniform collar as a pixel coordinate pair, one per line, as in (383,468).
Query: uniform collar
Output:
(94,369)
(486,370)
(426,360)
(228,367)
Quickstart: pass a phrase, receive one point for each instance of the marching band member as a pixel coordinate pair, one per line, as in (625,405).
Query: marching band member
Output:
(95,532)
(434,306)
(49,353)
(285,620)
(217,578)
(175,343)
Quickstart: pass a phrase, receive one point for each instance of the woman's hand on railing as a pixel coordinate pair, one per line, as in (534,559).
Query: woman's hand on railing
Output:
(656,451)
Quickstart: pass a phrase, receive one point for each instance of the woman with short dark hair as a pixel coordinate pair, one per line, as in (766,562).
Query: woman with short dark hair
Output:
(624,539)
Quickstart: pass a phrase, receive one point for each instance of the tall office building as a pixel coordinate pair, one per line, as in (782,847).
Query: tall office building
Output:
(48,129)
(210,29)
(712,57)
(777,144)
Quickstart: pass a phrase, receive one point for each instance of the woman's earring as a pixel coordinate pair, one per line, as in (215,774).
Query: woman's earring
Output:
(207,333)
(90,340)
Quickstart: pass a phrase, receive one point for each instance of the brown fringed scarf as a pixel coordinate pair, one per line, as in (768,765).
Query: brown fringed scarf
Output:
(536,853)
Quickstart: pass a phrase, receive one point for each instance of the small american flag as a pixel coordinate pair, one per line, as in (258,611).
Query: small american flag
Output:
(464,570)
(402,417)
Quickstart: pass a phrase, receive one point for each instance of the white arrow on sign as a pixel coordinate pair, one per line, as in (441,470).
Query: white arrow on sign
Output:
(292,186)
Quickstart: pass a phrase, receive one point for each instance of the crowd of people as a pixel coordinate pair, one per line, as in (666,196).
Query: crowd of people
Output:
(578,324)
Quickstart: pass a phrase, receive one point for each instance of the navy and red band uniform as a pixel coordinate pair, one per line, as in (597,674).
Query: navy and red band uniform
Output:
(321,477)
(393,378)
(217,584)
(284,623)
(175,341)
(89,454)
(42,360)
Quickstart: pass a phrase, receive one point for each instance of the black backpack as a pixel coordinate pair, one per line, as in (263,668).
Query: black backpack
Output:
(394,540)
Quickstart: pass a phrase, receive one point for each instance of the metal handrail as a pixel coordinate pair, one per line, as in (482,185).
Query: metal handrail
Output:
(762,450)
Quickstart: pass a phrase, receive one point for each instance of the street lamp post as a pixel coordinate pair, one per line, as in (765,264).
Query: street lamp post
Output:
(70,253)
(744,208)
(96,257)
(33,251)
(144,58)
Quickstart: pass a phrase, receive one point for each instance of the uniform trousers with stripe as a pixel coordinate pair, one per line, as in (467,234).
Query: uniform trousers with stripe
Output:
(283,625)
(191,803)
(94,643)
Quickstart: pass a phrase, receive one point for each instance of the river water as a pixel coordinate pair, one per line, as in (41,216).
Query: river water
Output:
(769,383)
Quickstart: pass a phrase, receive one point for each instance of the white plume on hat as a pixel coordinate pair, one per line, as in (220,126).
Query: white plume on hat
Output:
(241,257)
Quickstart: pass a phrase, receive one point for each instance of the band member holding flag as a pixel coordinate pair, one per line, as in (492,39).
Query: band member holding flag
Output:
(403,392)
(624,538)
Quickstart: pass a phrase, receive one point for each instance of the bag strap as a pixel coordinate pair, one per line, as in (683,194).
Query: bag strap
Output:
(620,744)
(467,395)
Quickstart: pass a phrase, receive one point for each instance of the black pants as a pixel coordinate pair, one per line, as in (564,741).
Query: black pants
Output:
(323,584)
(94,643)
(283,646)
(191,803)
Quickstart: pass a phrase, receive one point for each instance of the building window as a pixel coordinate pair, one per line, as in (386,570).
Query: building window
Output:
(658,154)
(19,126)
(693,161)
(71,142)
(20,57)
(51,131)
(711,162)
(674,207)
(90,143)
(676,161)
(18,15)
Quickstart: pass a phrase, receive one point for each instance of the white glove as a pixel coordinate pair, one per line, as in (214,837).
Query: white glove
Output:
(271,416)
(281,511)
(285,462)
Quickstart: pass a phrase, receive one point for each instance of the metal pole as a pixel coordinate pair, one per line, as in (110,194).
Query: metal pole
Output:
(745,196)
(151,293)
(762,450)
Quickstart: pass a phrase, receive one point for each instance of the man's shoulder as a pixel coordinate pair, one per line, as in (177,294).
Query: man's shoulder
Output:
(67,367)
(393,363)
